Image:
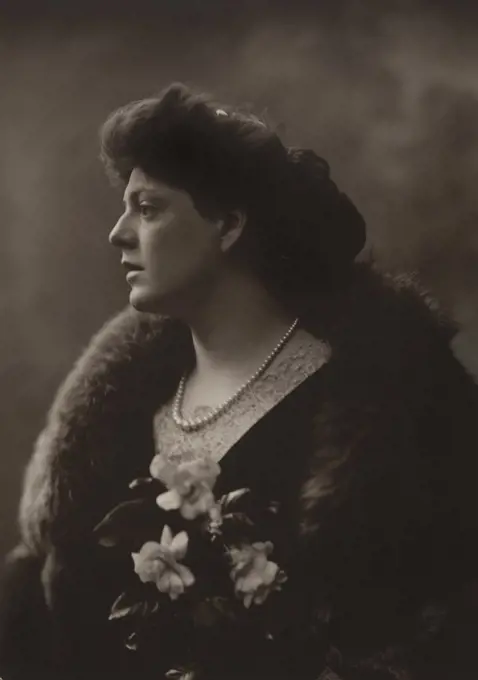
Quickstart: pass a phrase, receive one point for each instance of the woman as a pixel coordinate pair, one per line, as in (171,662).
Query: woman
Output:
(255,342)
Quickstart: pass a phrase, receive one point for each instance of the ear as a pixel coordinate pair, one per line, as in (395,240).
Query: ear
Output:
(230,228)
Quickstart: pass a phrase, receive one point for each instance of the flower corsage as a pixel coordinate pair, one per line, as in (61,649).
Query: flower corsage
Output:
(202,567)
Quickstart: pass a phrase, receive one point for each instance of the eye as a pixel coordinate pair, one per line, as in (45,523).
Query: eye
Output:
(148,210)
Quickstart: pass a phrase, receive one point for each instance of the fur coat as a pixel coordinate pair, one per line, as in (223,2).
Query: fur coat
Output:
(387,500)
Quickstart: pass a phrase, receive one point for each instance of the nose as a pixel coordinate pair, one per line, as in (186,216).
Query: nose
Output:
(123,234)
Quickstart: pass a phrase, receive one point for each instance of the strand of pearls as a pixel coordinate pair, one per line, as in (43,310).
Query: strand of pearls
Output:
(198,423)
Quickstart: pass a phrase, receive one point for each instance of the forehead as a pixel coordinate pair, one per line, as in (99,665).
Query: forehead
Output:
(139,181)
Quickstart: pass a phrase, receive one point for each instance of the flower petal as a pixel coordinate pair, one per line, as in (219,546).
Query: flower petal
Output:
(147,561)
(163,582)
(249,583)
(136,560)
(261,596)
(265,547)
(206,501)
(161,469)
(169,500)
(248,600)
(241,557)
(269,573)
(215,513)
(176,586)
(200,470)
(150,550)
(189,511)
(179,545)
(185,574)
(147,575)
(166,537)
(199,506)
(260,562)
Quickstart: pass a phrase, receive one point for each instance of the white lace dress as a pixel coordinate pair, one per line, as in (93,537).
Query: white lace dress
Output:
(301,357)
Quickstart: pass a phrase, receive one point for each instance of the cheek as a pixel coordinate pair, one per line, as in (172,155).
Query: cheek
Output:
(157,242)
(180,246)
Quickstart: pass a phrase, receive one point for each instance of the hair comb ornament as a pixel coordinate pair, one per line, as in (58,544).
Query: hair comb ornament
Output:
(252,118)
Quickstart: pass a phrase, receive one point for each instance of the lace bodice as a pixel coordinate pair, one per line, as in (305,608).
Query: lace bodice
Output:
(301,357)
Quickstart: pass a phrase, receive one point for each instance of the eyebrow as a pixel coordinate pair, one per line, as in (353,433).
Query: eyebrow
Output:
(133,195)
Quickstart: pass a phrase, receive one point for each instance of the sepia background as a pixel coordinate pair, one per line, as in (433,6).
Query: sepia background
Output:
(387,92)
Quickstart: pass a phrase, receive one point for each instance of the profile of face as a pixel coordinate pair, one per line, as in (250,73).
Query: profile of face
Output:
(171,253)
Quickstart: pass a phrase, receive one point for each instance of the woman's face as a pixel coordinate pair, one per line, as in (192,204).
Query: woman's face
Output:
(171,253)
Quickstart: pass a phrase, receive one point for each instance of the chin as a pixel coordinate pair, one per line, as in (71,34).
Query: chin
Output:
(144,302)
(174,301)
(152,303)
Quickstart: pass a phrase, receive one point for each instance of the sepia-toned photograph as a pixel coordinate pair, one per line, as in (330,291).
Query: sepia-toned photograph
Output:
(239,345)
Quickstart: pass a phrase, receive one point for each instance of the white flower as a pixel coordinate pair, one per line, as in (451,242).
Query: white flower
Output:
(254,575)
(159,563)
(190,487)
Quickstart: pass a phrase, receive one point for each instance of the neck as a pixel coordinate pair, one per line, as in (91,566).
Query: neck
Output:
(236,328)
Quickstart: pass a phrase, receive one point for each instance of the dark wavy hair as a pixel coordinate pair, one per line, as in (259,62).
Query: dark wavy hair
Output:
(302,233)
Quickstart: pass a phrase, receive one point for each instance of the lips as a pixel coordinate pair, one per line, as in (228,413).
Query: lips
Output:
(131,267)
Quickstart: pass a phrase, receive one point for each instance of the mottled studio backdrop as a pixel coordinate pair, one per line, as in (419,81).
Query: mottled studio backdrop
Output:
(387,92)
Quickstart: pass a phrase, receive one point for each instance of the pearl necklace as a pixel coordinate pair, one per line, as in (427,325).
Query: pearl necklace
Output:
(197,423)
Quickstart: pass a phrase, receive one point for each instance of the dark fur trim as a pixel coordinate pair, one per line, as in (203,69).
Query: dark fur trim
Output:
(117,378)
